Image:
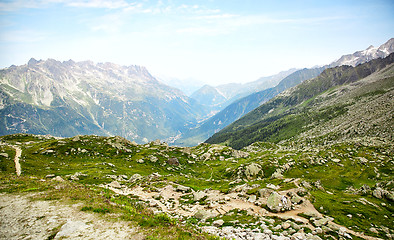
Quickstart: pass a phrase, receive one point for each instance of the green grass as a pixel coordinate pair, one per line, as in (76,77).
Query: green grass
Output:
(101,159)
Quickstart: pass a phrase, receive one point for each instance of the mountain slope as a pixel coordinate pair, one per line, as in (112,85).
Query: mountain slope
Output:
(217,98)
(69,98)
(241,107)
(209,97)
(319,103)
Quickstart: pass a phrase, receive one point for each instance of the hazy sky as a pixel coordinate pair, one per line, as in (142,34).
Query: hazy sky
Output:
(214,41)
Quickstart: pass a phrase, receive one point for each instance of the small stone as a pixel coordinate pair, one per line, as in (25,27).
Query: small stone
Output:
(197,196)
(218,223)
(173,161)
(265,192)
(140,161)
(321,222)
(58,178)
(285,225)
(115,184)
(50,176)
(181,188)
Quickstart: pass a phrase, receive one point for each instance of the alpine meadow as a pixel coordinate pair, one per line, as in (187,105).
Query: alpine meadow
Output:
(158,119)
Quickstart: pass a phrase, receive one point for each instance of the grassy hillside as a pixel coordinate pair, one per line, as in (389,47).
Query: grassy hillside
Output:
(349,184)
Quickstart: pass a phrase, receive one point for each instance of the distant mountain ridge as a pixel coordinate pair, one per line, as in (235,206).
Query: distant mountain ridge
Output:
(219,97)
(342,102)
(70,98)
(366,55)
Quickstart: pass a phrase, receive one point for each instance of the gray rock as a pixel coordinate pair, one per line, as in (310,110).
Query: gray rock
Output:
(140,161)
(306,184)
(197,196)
(296,200)
(58,178)
(4,155)
(50,176)
(312,237)
(135,177)
(253,170)
(378,193)
(239,154)
(265,192)
(202,214)
(321,222)
(285,225)
(390,196)
(278,203)
(76,138)
(153,159)
(277,174)
(115,184)
(218,223)
(71,229)
(181,188)
(173,161)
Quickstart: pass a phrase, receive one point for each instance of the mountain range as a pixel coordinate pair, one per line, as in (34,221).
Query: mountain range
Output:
(219,97)
(242,106)
(70,98)
(341,103)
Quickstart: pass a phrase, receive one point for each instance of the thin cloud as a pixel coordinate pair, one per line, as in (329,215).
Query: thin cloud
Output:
(22,36)
(8,6)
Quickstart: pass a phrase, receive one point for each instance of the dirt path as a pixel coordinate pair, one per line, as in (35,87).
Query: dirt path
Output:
(18,153)
(22,218)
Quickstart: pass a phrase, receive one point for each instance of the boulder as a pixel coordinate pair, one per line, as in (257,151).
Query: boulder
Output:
(202,214)
(321,222)
(115,184)
(389,195)
(153,159)
(173,161)
(253,170)
(277,174)
(135,177)
(378,193)
(71,229)
(239,154)
(265,192)
(181,188)
(278,203)
(197,196)
(296,199)
(218,223)
(285,225)
(58,178)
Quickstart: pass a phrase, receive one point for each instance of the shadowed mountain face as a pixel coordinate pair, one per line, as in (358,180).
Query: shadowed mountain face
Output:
(69,98)
(341,103)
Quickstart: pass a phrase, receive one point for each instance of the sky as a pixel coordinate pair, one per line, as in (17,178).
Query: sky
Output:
(213,41)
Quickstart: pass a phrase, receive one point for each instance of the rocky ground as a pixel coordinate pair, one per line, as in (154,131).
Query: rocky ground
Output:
(23,218)
(99,187)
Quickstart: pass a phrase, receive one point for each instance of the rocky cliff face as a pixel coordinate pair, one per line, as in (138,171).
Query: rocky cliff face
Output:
(68,98)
